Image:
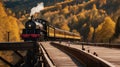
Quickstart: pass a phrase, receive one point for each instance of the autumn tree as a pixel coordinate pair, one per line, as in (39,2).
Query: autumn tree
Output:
(8,24)
(117,28)
(90,34)
(65,11)
(95,18)
(84,31)
(2,10)
(65,26)
(8,11)
(102,2)
(72,22)
(106,30)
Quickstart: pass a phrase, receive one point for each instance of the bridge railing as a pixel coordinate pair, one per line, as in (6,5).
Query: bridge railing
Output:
(108,45)
(87,59)
(16,45)
(33,49)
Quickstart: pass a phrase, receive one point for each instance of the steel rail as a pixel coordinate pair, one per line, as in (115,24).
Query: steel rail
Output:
(46,57)
(108,45)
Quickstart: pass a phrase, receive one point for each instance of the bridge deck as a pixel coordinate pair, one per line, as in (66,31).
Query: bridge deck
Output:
(60,58)
(111,55)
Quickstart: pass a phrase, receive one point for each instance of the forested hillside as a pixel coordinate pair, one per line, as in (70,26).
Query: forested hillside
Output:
(91,19)
(94,20)
(8,23)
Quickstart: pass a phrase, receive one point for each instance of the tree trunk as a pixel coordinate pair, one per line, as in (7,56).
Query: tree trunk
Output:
(93,36)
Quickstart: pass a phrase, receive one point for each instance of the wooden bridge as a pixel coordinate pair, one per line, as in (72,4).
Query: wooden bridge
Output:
(61,54)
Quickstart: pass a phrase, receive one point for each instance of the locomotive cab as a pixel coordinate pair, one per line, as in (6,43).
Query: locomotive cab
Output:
(42,25)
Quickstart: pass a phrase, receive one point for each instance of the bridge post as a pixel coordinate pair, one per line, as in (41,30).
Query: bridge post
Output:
(32,56)
(83,47)
(64,35)
(54,34)
(8,36)
(48,31)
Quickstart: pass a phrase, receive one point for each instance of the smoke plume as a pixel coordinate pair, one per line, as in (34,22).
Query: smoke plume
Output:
(38,8)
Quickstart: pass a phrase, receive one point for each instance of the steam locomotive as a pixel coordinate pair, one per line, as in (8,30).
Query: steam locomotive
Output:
(39,30)
(35,29)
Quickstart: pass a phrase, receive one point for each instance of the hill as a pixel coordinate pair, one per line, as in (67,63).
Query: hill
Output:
(94,20)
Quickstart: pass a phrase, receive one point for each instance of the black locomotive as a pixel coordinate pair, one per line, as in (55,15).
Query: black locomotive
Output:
(35,29)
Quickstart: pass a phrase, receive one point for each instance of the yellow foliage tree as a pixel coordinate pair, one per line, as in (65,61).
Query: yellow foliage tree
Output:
(74,19)
(1,35)
(65,10)
(81,15)
(90,33)
(9,12)
(65,26)
(105,30)
(102,2)
(2,10)
(75,31)
(8,24)
(14,29)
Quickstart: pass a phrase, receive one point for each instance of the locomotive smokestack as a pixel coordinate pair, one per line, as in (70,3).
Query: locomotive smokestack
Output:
(32,17)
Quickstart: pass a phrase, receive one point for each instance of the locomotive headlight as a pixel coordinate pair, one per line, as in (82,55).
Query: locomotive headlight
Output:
(29,25)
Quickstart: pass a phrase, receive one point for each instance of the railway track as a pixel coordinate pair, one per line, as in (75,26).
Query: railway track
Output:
(71,53)
(47,62)
(61,58)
